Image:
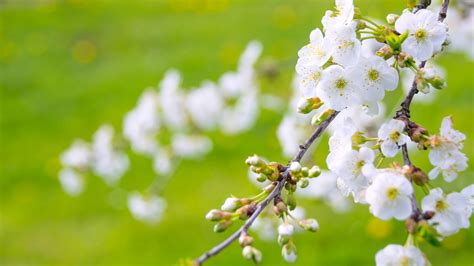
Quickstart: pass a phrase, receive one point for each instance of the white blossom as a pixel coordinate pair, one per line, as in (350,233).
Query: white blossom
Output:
(346,48)
(339,87)
(141,125)
(285,229)
(378,76)
(109,162)
(230,204)
(425,33)
(147,208)
(343,15)
(389,196)
(445,152)
(452,211)
(468,192)
(78,155)
(392,134)
(393,255)
(190,146)
(172,101)
(162,163)
(71,181)
(205,105)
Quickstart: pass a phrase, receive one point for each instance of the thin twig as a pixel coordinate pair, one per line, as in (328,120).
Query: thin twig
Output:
(276,192)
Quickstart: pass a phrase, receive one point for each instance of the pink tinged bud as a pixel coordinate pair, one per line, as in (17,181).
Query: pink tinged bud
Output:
(245,240)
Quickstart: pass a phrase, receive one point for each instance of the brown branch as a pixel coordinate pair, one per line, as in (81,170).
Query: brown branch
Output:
(275,193)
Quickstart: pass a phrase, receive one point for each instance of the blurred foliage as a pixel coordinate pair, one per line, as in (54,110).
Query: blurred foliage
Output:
(66,67)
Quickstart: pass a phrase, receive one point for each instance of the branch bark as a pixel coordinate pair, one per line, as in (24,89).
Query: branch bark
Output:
(276,192)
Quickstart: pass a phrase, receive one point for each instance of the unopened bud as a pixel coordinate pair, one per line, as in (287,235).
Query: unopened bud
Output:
(321,117)
(306,105)
(315,171)
(419,177)
(255,161)
(222,226)
(391,18)
(251,253)
(279,207)
(295,168)
(231,204)
(245,240)
(405,59)
(304,183)
(217,215)
(285,229)
(261,177)
(428,215)
(309,225)
(291,201)
(246,211)
(385,52)
(289,252)
(290,187)
(417,133)
(282,240)
(438,82)
(304,171)
(410,224)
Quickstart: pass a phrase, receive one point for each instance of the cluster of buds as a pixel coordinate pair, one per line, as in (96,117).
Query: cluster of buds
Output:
(265,171)
(248,251)
(300,174)
(236,209)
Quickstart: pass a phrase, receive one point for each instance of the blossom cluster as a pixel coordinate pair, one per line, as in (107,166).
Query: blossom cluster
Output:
(346,69)
(167,124)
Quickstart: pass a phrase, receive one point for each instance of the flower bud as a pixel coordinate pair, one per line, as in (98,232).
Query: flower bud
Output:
(321,117)
(419,177)
(246,211)
(306,105)
(285,229)
(304,171)
(222,226)
(231,204)
(385,52)
(261,177)
(304,183)
(404,59)
(416,133)
(217,215)
(289,252)
(245,240)
(279,207)
(282,240)
(309,225)
(428,215)
(255,161)
(392,18)
(270,187)
(295,167)
(315,171)
(290,187)
(291,201)
(251,253)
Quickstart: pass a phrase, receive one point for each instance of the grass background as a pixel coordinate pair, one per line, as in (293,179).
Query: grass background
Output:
(69,66)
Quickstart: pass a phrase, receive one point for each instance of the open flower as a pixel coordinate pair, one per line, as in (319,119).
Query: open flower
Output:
(426,34)
(392,135)
(148,209)
(389,196)
(339,87)
(343,14)
(452,211)
(346,47)
(378,76)
(400,255)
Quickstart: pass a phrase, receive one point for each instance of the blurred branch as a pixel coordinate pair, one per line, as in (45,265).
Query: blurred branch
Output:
(275,193)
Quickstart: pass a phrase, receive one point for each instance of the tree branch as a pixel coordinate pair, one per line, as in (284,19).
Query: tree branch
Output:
(276,192)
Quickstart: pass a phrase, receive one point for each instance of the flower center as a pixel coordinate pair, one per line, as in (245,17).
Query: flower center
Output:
(317,51)
(420,34)
(441,205)
(392,193)
(405,261)
(341,85)
(358,167)
(395,135)
(373,75)
(315,75)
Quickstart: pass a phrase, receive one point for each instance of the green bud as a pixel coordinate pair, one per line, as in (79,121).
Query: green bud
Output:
(261,177)
(295,168)
(304,171)
(321,117)
(306,105)
(291,201)
(438,83)
(282,240)
(222,226)
(289,252)
(315,171)
(255,161)
(304,182)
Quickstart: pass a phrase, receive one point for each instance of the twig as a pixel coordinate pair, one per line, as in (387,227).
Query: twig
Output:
(276,192)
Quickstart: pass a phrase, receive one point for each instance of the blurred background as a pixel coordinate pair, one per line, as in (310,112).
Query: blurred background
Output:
(66,67)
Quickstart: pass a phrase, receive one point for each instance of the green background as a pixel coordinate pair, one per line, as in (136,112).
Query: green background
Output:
(69,66)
